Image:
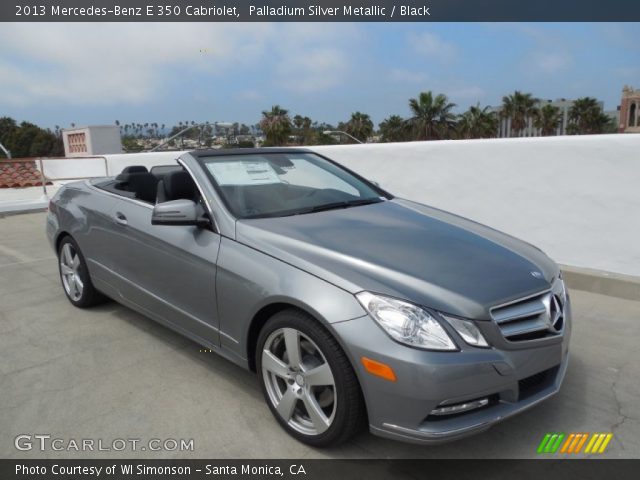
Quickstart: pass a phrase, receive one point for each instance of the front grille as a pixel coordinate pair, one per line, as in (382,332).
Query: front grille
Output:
(530,318)
(535,383)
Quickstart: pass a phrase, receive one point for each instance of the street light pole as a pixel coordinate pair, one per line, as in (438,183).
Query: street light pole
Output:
(181,132)
(340,132)
(6,152)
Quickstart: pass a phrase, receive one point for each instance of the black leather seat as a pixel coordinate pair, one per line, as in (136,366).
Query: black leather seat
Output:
(144,185)
(176,186)
(137,180)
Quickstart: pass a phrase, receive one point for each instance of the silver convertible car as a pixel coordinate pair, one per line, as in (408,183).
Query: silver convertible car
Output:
(353,307)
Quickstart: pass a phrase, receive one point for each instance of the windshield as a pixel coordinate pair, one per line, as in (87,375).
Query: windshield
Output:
(280,184)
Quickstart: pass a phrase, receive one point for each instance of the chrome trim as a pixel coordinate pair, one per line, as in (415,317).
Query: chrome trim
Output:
(121,197)
(539,312)
(521,299)
(444,410)
(200,189)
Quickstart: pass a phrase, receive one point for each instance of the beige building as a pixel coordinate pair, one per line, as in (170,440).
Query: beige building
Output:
(564,105)
(629,111)
(91,140)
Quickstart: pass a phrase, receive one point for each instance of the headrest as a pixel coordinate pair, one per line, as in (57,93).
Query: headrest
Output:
(132,169)
(144,185)
(135,169)
(179,185)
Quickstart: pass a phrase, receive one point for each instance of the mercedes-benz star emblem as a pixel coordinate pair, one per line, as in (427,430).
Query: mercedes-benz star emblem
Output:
(537,274)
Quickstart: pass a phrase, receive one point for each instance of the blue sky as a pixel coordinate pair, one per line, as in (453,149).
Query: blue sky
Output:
(56,74)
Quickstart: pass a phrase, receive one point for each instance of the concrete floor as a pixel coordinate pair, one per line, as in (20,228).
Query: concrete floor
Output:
(109,373)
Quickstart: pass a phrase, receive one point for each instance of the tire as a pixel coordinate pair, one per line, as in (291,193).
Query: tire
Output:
(319,380)
(74,275)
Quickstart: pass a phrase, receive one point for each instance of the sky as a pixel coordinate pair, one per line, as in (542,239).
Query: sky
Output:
(96,73)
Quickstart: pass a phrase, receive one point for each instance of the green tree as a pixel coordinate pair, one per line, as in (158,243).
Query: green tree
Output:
(394,129)
(478,123)
(29,140)
(548,119)
(276,126)
(519,107)
(586,117)
(360,126)
(432,116)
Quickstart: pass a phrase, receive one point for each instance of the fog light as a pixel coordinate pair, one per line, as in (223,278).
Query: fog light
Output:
(460,407)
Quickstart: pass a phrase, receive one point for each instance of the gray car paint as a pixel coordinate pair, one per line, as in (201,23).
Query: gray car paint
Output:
(211,284)
(406,250)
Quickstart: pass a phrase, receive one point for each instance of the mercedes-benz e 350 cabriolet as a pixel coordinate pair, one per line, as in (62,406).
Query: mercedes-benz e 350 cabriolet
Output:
(353,307)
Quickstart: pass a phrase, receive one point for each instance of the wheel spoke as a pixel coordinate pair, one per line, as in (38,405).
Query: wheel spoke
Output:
(66,253)
(287,404)
(292,344)
(79,284)
(75,262)
(317,416)
(274,365)
(319,376)
(66,270)
(73,287)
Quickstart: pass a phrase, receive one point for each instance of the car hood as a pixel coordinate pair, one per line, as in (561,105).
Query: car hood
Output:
(407,250)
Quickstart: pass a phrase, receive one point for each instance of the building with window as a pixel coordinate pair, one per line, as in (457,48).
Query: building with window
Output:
(630,110)
(564,105)
(92,140)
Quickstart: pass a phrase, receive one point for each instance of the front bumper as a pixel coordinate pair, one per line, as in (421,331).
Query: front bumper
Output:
(514,377)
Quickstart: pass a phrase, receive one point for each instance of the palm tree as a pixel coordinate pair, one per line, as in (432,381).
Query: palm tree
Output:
(276,126)
(432,116)
(394,129)
(519,107)
(548,120)
(586,117)
(360,126)
(478,123)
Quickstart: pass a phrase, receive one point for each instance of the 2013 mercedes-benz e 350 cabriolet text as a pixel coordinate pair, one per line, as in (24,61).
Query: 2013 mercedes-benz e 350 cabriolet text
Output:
(353,306)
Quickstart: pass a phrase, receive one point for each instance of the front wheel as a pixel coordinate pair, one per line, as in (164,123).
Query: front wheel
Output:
(308,381)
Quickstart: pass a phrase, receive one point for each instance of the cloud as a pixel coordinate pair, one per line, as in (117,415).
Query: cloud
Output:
(407,76)
(249,95)
(469,92)
(312,58)
(432,46)
(137,63)
(549,62)
(549,53)
(313,71)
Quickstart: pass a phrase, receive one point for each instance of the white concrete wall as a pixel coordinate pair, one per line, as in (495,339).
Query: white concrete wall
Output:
(576,197)
(97,167)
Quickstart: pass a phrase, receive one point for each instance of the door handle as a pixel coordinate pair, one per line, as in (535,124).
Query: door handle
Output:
(120,218)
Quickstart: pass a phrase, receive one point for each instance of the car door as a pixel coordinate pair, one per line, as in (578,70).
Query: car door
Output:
(167,272)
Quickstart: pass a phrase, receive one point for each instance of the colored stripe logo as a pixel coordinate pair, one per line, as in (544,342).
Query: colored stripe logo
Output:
(572,443)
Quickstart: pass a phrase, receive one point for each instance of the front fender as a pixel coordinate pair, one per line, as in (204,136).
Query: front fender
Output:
(248,280)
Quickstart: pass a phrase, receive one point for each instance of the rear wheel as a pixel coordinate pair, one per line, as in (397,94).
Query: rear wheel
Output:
(74,275)
(308,381)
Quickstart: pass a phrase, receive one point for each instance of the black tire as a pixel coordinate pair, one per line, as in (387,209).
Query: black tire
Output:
(348,413)
(84,297)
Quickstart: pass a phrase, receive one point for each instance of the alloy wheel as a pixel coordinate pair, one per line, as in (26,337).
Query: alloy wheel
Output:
(70,272)
(299,381)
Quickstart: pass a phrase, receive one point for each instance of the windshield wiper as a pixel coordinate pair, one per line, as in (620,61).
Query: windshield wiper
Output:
(317,208)
(343,204)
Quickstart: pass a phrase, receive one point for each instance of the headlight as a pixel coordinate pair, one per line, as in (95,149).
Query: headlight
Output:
(468,331)
(406,323)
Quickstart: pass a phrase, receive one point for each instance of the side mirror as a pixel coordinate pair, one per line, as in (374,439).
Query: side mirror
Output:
(175,212)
